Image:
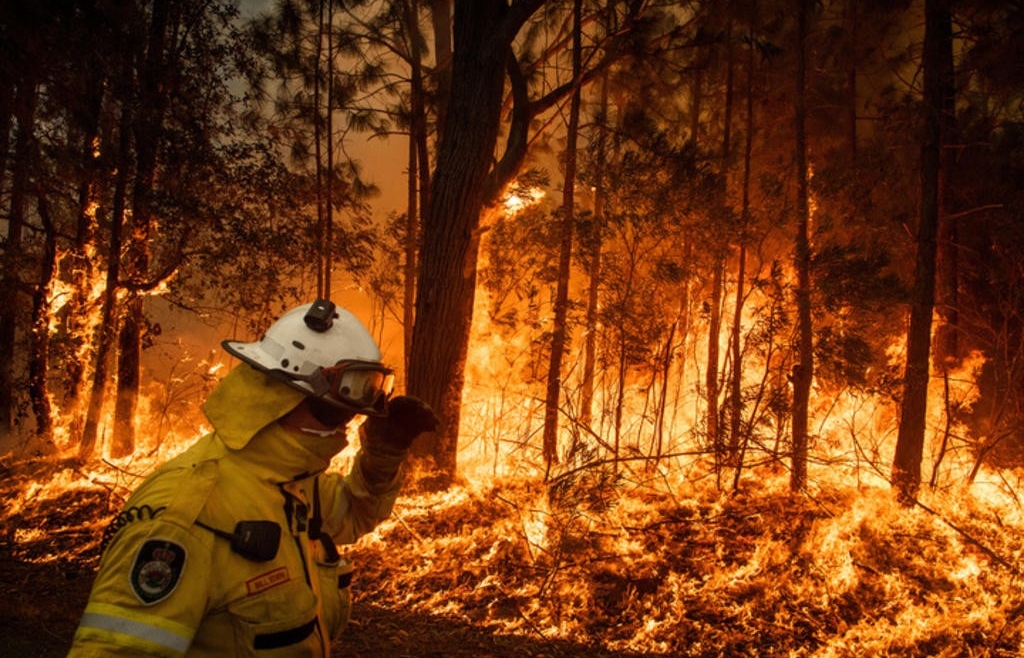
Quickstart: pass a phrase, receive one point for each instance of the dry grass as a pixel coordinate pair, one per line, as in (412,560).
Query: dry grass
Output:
(513,568)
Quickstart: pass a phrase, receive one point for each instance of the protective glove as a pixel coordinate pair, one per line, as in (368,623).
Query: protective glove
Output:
(407,418)
(386,440)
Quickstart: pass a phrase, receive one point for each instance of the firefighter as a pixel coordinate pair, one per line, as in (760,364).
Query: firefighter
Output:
(229,548)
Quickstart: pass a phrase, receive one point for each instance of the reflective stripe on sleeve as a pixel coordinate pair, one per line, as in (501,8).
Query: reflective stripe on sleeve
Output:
(134,632)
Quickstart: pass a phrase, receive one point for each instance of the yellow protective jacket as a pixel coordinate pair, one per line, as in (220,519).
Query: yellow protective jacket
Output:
(176,579)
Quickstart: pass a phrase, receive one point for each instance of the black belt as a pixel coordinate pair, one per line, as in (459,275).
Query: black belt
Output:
(284,638)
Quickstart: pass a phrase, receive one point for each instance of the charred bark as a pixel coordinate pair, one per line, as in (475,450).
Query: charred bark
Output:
(906,467)
(153,89)
(419,169)
(39,353)
(462,186)
(803,370)
(25,103)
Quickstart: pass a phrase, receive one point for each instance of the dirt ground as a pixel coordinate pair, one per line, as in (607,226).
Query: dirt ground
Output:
(40,607)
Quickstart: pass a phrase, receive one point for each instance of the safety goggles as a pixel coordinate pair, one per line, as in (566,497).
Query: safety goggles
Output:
(361,385)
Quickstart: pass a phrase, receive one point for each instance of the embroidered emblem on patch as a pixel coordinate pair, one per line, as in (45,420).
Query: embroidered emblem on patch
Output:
(265,581)
(157,570)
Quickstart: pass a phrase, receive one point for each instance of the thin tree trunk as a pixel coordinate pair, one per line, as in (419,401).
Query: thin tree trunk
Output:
(328,245)
(153,90)
(665,370)
(803,370)
(107,329)
(594,273)
(711,371)
(321,183)
(906,467)
(39,359)
(947,334)
(736,388)
(80,257)
(419,176)
(715,433)
(560,333)
(25,103)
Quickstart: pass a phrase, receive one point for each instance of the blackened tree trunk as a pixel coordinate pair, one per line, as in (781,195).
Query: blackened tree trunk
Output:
(737,437)
(803,370)
(560,332)
(154,86)
(947,341)
(419,169)
(106,332)
(25,102)
(463,184)
(906,467)
(39,354)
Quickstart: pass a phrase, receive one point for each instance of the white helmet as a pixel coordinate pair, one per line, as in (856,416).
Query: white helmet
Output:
(324,351)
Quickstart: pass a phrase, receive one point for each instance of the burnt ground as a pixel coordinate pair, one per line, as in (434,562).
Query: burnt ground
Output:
(40,606)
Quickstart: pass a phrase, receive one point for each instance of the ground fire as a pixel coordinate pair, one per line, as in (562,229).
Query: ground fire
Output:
(612,556)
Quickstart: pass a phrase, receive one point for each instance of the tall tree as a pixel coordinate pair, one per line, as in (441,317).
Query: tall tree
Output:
(803,370)
(936,62)
(592,240)
(154,86)
(462,184)
(21,79)
(567,218)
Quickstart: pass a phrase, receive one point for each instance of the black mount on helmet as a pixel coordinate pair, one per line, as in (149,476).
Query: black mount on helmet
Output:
(320,315)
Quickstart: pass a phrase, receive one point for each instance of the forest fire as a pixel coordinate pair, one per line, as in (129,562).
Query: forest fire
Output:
(711,312)
(626,556)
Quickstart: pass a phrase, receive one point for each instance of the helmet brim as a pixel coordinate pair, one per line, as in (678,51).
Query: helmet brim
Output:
(246,351)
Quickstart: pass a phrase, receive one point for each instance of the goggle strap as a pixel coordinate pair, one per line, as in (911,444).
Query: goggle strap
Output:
(316,381)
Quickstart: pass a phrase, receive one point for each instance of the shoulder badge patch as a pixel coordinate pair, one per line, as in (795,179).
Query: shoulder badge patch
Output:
(157,570)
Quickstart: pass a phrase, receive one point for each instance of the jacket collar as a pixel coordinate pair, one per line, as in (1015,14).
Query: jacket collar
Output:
(245,402)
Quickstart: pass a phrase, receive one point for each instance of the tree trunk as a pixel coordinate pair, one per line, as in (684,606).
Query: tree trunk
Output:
(10,292)
(711,370)
(39,353)
(560,333)
(906,467)
(419,174)
(129,376)
(153,88)
(107,329)
(803,370)
(594,273)
(947,334)
(483,31)
(736,406)
(322,202)
(79,259)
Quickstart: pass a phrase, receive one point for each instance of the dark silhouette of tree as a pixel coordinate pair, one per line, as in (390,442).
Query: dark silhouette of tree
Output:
(803,370)
(936,63)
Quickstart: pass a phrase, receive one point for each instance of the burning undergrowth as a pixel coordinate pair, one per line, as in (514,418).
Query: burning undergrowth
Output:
(636,569)
(691,572)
